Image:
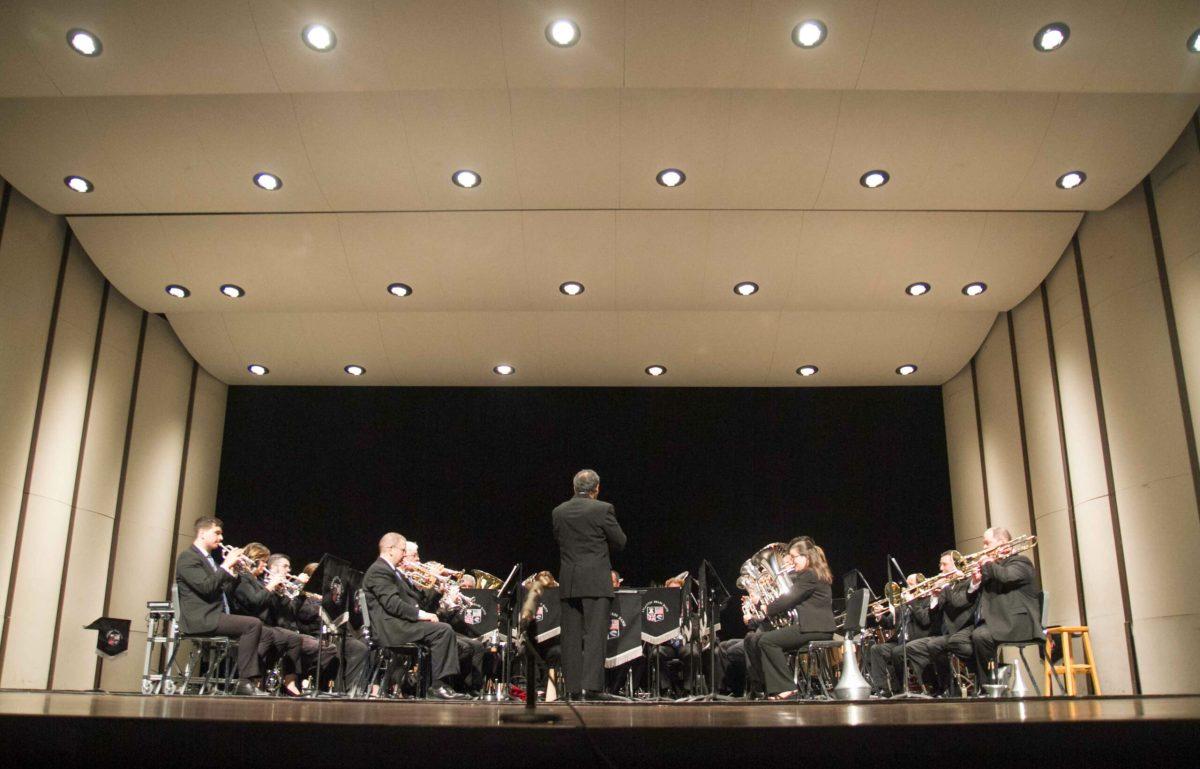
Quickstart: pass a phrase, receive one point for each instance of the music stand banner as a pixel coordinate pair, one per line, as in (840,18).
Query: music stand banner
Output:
(339,581)
(477,621)
(662,613)
(547,623)
(624,628)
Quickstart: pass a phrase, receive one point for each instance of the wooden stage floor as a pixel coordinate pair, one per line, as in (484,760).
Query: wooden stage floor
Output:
(131,728)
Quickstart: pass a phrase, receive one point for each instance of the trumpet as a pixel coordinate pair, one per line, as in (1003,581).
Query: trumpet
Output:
(429,575)
(244,561)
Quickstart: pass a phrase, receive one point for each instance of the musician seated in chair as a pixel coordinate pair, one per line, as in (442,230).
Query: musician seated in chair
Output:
(952,635)
(1008,608)
(205,595)
(302,610)
(257,595)
(885,660)
(811,597)
(396,617)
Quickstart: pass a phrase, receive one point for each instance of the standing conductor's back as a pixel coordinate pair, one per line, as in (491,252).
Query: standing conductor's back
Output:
(585,529)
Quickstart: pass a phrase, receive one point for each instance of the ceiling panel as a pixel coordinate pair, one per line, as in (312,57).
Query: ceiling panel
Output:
(634,260)
(602,349)
(226,46)
(586,149)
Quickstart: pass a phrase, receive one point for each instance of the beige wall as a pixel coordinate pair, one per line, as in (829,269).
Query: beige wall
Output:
(1116,357)
(69,354)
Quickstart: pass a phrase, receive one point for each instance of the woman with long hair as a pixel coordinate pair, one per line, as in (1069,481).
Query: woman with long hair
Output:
(812,599)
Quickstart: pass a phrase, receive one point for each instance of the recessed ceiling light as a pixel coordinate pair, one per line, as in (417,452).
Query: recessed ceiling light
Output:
(466,179)
(257,369)
(269,182)
(974,289)
(319,37)
(873,179)
(399,289)
(232,291)
(906,369)
(178,291)
(671,177)
(84,42)
(1070,180)
(78,183)
(503,369)
(354,370)
(571,288)
(1193,43)
(656,370)
(917,289)
(745,288)
(809,34)
(1051,37)
(563,33)
(807,370)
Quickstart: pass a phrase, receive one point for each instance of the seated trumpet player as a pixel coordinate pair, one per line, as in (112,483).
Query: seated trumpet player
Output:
(292,607)
(394,603)
(257,594)
(811,597)
(205,596)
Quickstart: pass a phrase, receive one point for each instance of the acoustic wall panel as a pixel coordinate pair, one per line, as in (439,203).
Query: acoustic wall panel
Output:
(966,477)
(30,254)
(1002,456)
(52,479)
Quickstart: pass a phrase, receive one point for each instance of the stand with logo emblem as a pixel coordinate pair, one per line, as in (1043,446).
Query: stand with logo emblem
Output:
(662,613)
(339,588)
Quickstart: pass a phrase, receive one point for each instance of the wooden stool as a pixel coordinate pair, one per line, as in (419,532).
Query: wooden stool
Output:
(1069,668)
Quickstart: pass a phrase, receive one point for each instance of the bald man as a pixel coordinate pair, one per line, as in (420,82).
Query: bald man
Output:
(1008,607)
(396,617)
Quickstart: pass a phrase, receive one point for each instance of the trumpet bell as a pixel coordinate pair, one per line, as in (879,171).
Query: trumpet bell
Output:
(485,581)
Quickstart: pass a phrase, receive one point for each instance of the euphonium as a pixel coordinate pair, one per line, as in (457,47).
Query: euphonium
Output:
(765,577)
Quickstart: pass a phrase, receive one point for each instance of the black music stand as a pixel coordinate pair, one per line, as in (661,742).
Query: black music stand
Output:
(339,584)
(903,622)
(713,597)
(507,618)
(525,618)
(662,615)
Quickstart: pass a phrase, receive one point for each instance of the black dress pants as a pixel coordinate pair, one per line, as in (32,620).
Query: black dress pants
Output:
(730,675)
(937,649)
(443,648)
(881,666)
(247,631)
(773,646)
(353,664)
(584,639)
(276,642)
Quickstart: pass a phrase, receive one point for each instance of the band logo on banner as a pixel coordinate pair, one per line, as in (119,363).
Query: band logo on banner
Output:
(624,628)
(662,611)
(112,637)
(477,621)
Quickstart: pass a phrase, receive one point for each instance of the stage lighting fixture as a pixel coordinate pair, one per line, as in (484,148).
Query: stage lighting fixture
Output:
(656,370)
(399,289)
(562,33)
(917,289)
(232,291)
(746,288)
(974,289)
(466,179)
(257,369)
(671,177)
(84,42)
(268,182)
(1051,37)
(1070,180)
(809,34)
(571,288)
(906,369)
(807,370)
(78,183)
(874,179)
(354,370)
(503,369)
(178,291)
(319,37)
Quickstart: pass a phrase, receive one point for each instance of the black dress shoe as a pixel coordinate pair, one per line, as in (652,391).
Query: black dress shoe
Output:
(248,689)
(589,696)
(446,693)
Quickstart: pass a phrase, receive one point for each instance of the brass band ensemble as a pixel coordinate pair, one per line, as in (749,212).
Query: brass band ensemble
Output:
(408,627)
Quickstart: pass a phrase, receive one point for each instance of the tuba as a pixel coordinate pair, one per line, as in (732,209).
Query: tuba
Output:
(765,577)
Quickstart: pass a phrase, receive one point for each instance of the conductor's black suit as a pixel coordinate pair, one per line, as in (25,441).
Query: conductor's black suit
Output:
(585,529)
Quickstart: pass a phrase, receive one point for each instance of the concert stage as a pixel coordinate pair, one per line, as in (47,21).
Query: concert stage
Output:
(124,729)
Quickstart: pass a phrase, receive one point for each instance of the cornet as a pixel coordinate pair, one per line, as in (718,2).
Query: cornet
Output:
(244,561)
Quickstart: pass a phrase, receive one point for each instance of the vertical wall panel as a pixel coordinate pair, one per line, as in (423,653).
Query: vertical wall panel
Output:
(1046,472)
(1001,431)
(52,481)
(1151,469)
(151,489)
(87,566)
(30,253)
(1177,195)
(208,430)
(966,477)
(1089,485)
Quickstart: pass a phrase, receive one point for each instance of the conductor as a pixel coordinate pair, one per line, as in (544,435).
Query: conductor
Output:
(585,529)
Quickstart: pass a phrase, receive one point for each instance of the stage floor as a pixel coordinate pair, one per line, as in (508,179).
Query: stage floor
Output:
(123,727)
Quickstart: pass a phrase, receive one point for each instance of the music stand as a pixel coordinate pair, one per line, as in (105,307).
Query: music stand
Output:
(507,618)
(339,583)
(709,609)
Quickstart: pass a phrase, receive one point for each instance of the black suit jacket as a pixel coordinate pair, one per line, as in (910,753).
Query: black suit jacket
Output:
(957,604)
(1008,600)
(392,603)
(811,598)
(200,590)
(586,529)
(252,599)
